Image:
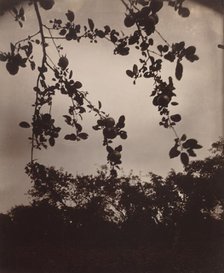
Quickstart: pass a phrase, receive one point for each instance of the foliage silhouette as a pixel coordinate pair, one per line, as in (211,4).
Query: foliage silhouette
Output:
(141,17)
(176,214)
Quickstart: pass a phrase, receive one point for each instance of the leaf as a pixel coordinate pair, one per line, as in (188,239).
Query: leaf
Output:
(99,104)
(100,33)
(123,134)
(63,32)
(121,121)
(190,143)
(109,149)
(179,71)
(96,128)
(107,29)
(160,48)
(32,65)
(24,124)
(184,159)
(130,73)
(174,152)
(184,12)
(78,127)
(180,46)
(70,15)
(183,138)
(21,12)
(118,148)
(156,5)
(191,153)
(78,84)
(52,141)
(70,137)
(198,146)
(174,103)
(221,46)
(12,48)
(83,135)
(70,74)
(91,24)
(176,118)
(190,50)
(3,57)
(68,119)
(135,69)
(169,56)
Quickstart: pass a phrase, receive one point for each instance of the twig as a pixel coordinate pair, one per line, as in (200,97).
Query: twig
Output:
(160,35)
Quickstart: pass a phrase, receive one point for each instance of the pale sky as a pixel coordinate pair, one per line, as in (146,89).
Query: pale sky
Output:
(103,75)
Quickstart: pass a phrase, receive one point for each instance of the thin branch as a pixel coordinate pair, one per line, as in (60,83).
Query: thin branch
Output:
(28,38)
(125,4)
(44,58)
(160,35)
(52,38)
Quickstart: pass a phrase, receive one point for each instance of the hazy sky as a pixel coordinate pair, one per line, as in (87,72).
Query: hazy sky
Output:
(103,75)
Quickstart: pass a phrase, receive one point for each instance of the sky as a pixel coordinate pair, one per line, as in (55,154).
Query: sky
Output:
(200,96)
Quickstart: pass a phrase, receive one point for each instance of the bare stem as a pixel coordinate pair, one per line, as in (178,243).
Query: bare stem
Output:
(160,35)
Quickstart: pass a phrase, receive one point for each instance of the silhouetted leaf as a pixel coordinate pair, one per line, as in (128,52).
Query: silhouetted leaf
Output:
(3,57)
(135,69)
(96,127)
(130,73)
(176,118)
(70,137)
(156,5)
(170,56)
(179,46)
(21,12)
(78,127)
(83,135)
(78,84)
(68,119)
(100,33)
(91,24)
(174,103)
(62,32)
(183,138)
(179,71)
(107,29)
(184,159)
(221,46)
(121,121)
(184,12)
(198,146)
(109,149)
(191,153)
(123,134)
(12,48)
(32,65)
(70,15)
(24,124)
(190,143)
(52,141)
(174,152)
(118,148)
(190,50)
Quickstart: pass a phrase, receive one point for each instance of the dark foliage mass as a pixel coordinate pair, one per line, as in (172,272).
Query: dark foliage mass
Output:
(180,213)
